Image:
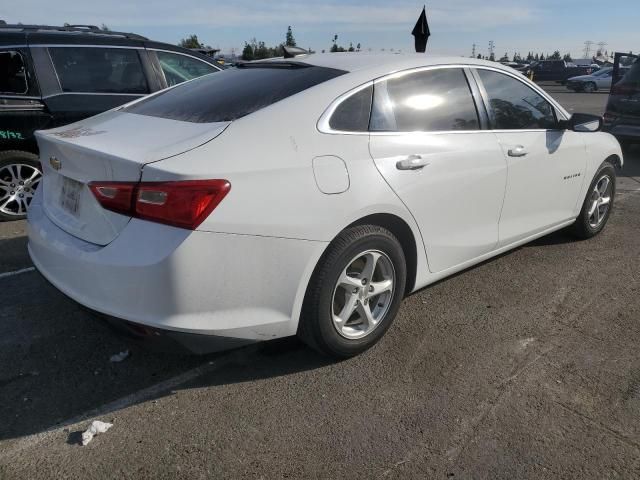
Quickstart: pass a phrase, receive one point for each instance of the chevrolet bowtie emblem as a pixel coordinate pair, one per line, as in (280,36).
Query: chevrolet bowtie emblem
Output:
(55,163)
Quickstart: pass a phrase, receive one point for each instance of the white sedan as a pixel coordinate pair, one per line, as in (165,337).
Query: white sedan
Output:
(309,195)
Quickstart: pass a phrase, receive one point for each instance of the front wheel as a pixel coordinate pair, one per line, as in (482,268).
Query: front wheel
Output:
(20,175)
(589,87)
(597,207)
(355,292)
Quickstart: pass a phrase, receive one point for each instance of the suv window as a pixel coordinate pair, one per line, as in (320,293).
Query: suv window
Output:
(234,93)
(515,106)
(13,76)
(426,101)
(180,68)
(632,75)
(99,70)
(352,115)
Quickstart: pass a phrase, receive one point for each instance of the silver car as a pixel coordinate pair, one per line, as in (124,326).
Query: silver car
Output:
(599,80)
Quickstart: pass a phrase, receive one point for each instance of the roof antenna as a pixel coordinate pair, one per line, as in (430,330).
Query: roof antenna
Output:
(291,52)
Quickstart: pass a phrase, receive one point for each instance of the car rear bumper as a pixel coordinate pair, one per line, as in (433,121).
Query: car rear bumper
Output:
(238,287)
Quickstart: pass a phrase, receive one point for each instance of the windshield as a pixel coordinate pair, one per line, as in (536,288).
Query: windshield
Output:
(234,93)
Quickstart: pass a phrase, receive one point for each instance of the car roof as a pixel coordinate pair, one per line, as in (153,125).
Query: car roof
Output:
(380,63)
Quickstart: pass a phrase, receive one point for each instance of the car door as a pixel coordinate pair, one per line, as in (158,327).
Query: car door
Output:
(94,79)
(546,164)
(428,142)
(604,80)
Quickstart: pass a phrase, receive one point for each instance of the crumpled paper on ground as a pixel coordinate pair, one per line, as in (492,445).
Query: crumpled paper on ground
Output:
(96,427)
(118,357)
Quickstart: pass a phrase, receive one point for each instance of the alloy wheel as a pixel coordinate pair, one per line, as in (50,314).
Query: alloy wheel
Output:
(18,183)
(600,201)
(363,294)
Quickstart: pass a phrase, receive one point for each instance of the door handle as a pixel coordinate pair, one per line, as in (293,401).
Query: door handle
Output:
(412,162)
(517,151)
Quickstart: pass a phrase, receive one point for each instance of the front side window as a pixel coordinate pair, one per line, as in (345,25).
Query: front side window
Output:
(515,106)
(425,101)
(13,75)
(180,68)
(99,70)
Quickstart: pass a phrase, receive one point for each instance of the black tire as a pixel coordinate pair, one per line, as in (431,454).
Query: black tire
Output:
(589,87)
(8,158)
(583,227)
(317,327)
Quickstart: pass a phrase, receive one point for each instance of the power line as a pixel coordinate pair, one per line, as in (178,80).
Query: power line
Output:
(587,48)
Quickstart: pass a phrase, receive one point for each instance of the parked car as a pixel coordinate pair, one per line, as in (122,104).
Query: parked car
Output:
(311,197)
(52,76)
(622,117)
(557,71)
(599,80)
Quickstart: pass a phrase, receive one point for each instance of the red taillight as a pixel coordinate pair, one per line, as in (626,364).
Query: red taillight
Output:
(180,204)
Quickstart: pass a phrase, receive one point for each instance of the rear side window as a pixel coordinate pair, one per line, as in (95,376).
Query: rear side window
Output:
(233,93)
(352,115)
(515,106)
(425,101)
(99,70)
(180,68)
(13,75)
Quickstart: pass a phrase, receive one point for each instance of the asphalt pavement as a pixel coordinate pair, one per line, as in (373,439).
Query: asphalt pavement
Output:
(525,366)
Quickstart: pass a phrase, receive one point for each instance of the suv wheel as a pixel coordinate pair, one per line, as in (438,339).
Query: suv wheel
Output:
(20,175)
(596,208)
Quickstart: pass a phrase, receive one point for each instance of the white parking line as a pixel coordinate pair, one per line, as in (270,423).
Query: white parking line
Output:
(17,272)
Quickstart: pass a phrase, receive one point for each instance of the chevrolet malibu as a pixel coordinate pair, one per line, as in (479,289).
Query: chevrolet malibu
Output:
(309,195)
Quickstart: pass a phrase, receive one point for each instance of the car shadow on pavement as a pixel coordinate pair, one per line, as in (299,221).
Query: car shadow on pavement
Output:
(13,254)
(55,362)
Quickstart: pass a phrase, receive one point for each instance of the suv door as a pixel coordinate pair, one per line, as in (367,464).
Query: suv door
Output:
(94,79)
(427,141)
(546,164)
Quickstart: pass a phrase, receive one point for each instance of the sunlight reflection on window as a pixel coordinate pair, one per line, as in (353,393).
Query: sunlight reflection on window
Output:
(423,102)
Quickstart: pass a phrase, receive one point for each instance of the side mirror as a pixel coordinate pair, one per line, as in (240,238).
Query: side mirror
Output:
(583,122)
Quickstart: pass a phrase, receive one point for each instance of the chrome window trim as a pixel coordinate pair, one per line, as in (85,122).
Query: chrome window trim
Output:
(98,93)
(323,122)
(5,47)
(18,97)
(70,45)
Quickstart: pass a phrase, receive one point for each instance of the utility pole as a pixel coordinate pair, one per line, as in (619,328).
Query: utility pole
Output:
(601,46)
(473,51)
(587,48)
(492,47)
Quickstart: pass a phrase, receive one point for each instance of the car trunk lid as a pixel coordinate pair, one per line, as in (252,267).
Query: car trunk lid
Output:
(113,146)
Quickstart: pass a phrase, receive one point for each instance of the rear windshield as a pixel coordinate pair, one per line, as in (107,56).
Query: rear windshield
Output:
(234,93)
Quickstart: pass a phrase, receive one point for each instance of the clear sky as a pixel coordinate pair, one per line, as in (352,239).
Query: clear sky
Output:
(514,25)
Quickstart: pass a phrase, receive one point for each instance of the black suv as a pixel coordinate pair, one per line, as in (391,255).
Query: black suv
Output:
(51,76)
(622,117)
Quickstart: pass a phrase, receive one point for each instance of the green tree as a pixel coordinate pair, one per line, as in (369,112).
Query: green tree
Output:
(104,28)
(567,57)
(541,57)
(290,40)
(556,56)
(505,57)
(247,52)
(358,47)
(190,42)
(351,49)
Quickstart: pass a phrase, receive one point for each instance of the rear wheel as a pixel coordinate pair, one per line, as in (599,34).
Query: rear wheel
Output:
(355,292)
(589,87)
(598,204)
(20,175)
